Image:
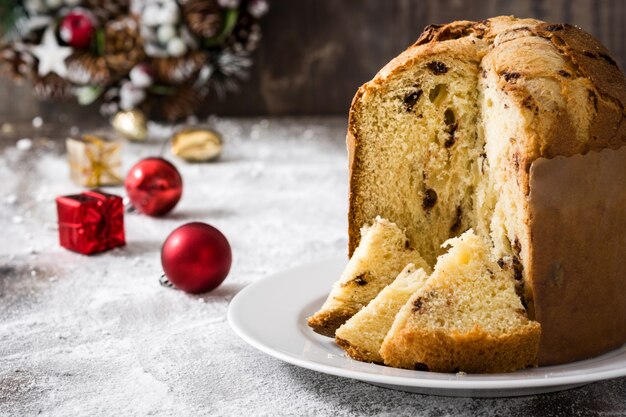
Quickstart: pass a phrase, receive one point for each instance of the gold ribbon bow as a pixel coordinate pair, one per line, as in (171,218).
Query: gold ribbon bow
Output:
(98,154)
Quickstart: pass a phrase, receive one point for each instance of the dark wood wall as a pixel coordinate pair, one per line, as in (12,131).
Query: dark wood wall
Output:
(316,53)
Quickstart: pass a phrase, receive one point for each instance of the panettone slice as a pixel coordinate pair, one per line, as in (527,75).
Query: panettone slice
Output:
(467,317)
(362,335)
(382,254)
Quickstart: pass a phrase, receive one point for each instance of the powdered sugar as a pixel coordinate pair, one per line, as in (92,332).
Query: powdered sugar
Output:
(99,336)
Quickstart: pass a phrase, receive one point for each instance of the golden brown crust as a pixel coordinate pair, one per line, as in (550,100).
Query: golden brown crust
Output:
(473,352)
(580,56)
(354,352)
(592,59)
(594,62)
(578,271)
(354,230)
(454,30)
(328,321)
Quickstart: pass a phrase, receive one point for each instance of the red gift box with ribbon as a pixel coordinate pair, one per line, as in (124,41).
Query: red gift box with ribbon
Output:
(91,222)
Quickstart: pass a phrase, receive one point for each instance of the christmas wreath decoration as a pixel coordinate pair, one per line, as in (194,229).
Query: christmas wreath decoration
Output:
(160,56)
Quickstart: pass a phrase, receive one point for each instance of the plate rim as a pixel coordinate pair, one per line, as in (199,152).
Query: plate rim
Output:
(455,382)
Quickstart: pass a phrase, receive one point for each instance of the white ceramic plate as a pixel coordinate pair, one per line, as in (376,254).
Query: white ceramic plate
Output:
(271,316)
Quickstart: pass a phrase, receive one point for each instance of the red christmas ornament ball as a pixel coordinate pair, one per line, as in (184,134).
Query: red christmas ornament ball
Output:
(77,28)
(196,257)
(154,186)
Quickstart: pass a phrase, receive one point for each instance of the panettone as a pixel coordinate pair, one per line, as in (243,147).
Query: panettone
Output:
(515,128)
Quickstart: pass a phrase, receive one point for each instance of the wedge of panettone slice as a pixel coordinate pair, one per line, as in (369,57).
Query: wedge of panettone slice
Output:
(362,335)
(381,255)
(467,317)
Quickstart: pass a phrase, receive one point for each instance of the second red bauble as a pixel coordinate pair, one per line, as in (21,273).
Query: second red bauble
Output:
(196,257)
(77,28)
(154,186)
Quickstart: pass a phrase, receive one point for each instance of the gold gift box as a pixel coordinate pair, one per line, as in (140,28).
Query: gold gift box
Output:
(94,161)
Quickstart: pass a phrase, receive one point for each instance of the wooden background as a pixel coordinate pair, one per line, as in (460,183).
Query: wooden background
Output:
(316,53)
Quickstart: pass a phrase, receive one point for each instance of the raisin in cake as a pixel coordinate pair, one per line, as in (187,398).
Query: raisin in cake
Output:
(515,128)
(382,254)
(362,335)
(466,317)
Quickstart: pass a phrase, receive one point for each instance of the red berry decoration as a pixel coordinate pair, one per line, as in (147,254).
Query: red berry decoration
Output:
(77,28)
(196,257)
(154,186)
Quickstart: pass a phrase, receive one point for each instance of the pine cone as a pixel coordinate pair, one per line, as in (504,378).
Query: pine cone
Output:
(84,68)
(107,10)
(246,35)
(51,87)
(178,70)
(123,46)
(203,17)
(183,103)
(16,61)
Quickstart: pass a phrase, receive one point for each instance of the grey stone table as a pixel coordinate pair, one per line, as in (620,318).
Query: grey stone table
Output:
(98,336)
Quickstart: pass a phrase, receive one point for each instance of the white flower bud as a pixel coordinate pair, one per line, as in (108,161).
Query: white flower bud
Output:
(169,13)
(54,4)
(258,8)
(131,96)
(35,6)
(229,4)
(140,76)
(176,47)
(166,33)
(150,15)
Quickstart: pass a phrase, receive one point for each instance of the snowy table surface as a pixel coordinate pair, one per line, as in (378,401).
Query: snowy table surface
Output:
(98,336)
